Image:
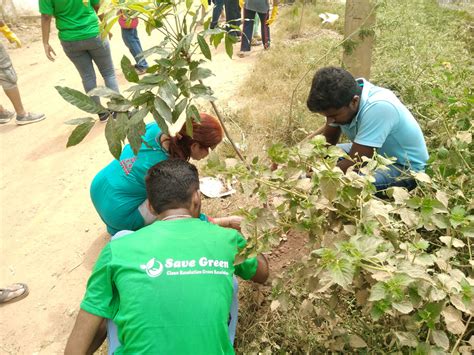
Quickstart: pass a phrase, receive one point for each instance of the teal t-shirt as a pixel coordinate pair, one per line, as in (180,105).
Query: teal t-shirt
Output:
(119,189)
(75,20)
(168,287)
(384,123)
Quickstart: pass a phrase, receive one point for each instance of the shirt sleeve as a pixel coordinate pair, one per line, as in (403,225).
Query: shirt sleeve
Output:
(376,123)
(101,298)
(46,7)
(248,267)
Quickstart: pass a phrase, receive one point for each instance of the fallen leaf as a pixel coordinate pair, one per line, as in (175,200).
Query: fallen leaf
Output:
(356,341)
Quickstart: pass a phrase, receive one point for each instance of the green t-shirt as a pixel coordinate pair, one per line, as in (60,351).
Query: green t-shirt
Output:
(168,287)
(75,21)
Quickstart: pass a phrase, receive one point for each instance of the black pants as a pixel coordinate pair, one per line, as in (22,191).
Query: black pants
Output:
(232,16)
(249,18)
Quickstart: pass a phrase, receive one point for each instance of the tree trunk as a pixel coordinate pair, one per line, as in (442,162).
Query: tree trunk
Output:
(358,59)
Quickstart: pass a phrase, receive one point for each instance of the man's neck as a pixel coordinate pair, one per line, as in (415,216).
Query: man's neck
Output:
(175,213)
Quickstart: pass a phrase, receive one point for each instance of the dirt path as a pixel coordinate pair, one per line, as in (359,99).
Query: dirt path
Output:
(50,234)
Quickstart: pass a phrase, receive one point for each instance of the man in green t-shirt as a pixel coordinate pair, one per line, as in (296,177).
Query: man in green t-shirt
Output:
(168,286)
(78,27)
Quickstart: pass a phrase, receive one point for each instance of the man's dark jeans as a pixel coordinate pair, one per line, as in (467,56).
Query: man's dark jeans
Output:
(232,16)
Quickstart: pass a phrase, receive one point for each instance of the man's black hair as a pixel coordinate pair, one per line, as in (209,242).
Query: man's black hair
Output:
(332,88)
(170,184)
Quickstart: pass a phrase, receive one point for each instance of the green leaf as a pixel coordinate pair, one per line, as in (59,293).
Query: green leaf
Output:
(403,307)
(200,89)
(189,3)
(78,121)
(153,79)
(138,116)
(155,50)
(163,109)
(407,339)
(457,216)
(342,271)
(229,45)
(430,313)
(114,142)
(109,26)
(278,153)
(441,339)
(193,113)
(160,121)
(79,133)
(134,136)
(121,125)
(129,70)
(80,100)
(179,108)
(119,105)
(205,50)
(103,91)
(171,87)
(143,98)
(216,39)
(189,126)
(377,292)
(379,308)
(200,74)
(167,97)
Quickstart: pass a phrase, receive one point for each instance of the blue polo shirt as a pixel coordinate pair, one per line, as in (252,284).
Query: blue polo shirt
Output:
(384,123)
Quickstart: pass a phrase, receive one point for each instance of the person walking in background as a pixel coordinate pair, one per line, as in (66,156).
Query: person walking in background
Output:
(78,27)
(251,9)
(8,80)
(216,13)
(131,40)
(232,17)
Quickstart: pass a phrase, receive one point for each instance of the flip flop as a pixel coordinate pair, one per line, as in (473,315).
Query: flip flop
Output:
(5,293)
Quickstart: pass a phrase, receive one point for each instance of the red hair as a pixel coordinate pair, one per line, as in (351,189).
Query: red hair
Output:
(208,133)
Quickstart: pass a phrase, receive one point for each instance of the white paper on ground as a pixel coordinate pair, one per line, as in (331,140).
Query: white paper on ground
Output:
(214,187)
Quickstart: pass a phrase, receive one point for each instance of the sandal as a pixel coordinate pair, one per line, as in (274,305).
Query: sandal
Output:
(6,293)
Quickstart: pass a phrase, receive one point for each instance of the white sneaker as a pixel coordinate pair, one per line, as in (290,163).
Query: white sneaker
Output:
(6,116)
(29,118)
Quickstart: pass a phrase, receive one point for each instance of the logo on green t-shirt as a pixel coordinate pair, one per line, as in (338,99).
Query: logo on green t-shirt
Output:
(153,268)
(200,266)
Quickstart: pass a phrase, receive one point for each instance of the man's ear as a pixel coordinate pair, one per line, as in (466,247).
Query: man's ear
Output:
(354,104)
(196,204)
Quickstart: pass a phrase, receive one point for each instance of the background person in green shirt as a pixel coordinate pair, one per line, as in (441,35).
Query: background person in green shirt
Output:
(78,27)
(168,286)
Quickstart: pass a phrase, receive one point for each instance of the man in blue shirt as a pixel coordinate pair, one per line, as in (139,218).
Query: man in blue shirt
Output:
(374,119)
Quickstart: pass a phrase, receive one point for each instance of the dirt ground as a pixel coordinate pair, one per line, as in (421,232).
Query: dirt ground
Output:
(50,234)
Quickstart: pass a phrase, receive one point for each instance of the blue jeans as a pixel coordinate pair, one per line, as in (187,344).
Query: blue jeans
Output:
(216,12)
(249,19)
(396,175)
(83,53)
(131,40)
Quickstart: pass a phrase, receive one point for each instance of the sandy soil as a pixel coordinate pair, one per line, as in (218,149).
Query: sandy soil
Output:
(50,234)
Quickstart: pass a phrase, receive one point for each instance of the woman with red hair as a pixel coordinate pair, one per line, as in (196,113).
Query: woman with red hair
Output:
(118,191)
